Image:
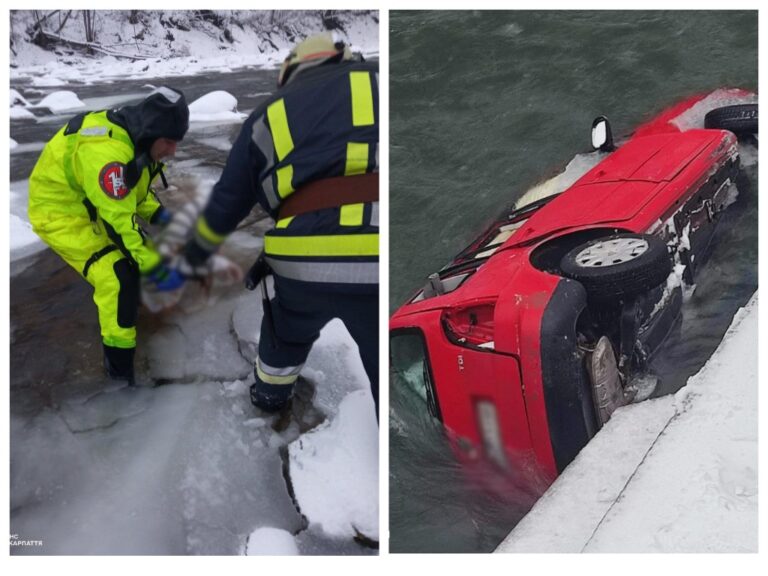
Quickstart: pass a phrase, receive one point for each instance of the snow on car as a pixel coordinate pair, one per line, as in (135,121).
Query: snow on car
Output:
(526,343)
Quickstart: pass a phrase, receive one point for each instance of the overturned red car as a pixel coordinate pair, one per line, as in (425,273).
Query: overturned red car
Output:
(529,339)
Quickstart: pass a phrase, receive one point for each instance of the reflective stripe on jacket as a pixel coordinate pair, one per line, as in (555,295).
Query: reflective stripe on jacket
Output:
(323,124)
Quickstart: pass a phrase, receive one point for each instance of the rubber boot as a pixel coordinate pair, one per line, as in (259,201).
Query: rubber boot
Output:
(290,403)
(118,364)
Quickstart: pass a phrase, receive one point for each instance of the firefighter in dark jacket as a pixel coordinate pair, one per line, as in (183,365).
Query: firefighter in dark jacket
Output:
(309,157)
(91,182)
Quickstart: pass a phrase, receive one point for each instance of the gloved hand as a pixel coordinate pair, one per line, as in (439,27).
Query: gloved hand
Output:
(165,278)
(189,270)
(162,217)
(179,230)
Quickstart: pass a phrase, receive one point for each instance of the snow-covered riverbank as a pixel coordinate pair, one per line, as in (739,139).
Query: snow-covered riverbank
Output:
(675,474)
(164,44)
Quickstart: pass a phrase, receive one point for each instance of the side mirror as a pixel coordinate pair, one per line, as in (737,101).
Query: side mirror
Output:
(602,137)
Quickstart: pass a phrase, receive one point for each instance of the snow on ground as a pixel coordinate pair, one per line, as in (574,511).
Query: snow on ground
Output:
(271,542)
(16,99)
(24,241)
(675,474)
(20,113)
(61,101)
(218,106)
(191,52)
(334,470)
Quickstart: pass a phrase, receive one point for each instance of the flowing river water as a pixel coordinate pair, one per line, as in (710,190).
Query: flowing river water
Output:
(483,105)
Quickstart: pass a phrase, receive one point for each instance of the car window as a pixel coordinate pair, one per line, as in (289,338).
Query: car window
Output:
(410,367)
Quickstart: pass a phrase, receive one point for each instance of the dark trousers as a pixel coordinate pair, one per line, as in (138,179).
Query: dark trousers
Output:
(299,311)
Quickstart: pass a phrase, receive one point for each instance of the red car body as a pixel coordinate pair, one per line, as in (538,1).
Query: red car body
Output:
(501,359)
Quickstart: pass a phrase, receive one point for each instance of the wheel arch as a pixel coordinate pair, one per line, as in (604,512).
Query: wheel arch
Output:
(547,256)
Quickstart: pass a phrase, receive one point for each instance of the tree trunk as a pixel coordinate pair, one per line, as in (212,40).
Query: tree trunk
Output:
(90,36)
(62,22)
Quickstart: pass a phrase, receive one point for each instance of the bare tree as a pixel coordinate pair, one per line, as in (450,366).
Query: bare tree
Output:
(88,17)
(63,21)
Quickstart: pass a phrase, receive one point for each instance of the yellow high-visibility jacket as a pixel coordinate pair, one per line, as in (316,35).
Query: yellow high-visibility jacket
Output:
(82,173)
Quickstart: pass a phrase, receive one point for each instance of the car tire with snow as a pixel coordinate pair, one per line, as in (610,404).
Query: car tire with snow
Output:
(618,266)
(740,119)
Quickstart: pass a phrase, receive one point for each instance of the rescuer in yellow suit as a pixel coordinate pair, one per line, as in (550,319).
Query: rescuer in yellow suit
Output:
(87,191)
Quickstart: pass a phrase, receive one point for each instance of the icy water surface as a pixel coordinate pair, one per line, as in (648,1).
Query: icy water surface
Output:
(483,106)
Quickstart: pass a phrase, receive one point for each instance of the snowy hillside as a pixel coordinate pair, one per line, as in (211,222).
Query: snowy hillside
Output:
(137,43)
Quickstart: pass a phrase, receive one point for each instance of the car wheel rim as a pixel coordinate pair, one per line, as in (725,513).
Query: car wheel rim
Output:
(611,252)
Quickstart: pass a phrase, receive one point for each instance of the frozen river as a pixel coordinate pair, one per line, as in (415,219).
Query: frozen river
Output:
(189,467)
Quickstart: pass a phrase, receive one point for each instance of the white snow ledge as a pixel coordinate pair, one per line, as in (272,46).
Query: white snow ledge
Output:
(676,474)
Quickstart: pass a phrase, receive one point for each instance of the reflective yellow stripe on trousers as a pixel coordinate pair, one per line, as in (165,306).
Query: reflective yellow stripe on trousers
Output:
(277,376)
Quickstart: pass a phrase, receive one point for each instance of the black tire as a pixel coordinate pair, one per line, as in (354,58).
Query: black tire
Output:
(644,265)
(740,119)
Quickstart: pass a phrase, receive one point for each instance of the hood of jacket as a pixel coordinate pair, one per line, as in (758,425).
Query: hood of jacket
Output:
(162,114)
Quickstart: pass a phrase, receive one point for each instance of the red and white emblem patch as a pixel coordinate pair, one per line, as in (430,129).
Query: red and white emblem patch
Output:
(112,181)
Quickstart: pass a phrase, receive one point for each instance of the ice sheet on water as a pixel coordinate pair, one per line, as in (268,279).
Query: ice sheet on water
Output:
(114,100)
(217,142)
(199,345)
(182,476)
(27,147)
(119,498)
(45,458)
(47,80)
(217,106)
(105,409)
(271,542)
(334,470)
(16,99)
(576,168)
(24,242)
(20,113)
(748,155)
(694,116)
(314,542)
(61,101)
(232,482)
